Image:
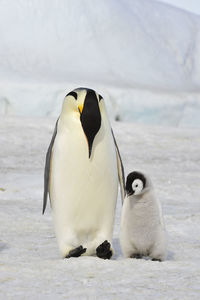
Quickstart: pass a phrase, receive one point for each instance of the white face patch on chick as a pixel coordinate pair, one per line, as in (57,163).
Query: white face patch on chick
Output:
(135,183)
(137,186)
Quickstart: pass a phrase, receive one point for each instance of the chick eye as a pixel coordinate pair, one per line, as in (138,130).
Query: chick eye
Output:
(137,186)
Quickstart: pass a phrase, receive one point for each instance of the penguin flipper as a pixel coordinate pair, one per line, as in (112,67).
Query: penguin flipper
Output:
(47,169)
(120,169)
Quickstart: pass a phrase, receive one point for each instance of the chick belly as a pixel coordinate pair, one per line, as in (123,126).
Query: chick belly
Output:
(139,234)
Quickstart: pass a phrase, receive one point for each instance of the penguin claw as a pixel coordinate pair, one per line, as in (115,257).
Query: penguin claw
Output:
(76,252)
(104,251)
(136,255)
(156,259)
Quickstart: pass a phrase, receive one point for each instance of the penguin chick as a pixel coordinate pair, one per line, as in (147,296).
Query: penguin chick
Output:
(142,231)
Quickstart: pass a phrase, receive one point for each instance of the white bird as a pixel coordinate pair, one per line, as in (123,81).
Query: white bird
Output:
(142,231)
(81,176)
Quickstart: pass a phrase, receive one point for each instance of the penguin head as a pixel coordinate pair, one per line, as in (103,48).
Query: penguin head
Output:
(135,183)
(85,102)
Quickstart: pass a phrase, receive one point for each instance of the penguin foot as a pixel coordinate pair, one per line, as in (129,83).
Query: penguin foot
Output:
(136,255)
(156,259)
(104,251)
(76,252)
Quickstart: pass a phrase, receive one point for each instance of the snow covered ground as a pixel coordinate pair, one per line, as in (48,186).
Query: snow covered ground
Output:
(143,57)
(30,263)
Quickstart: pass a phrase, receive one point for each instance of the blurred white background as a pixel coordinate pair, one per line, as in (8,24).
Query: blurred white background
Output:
(189,5)
(141,55)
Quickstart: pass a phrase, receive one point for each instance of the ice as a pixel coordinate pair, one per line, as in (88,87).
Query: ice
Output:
(30,263)
(147,43)
(135,53)
(192,5)
(143,58)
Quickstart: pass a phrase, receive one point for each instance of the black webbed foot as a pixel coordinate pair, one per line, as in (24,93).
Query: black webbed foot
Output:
(136,255)
(104,251)
(76,252)
(156,259)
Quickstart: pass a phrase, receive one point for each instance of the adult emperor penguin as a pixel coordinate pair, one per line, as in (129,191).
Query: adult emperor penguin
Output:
(142,231)
(82,168)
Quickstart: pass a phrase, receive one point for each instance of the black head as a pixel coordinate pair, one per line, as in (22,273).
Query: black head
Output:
(90,117)
(135,183)
(86,102)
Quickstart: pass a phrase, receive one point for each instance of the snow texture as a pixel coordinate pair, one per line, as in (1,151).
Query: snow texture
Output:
(30,262)
(192,5)
(135,52)
(143,57)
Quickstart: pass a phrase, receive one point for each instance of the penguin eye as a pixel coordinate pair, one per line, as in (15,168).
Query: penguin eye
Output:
(137,186)
(73,94)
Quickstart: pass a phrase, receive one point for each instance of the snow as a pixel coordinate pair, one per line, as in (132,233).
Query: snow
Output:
(142,56)
(192,5)
(30,262)
(144,39)
(136,53)
(130,105)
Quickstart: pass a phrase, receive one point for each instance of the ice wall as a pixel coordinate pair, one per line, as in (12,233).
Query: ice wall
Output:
(132,48)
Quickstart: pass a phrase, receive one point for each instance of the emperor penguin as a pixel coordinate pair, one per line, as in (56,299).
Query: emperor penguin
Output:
(82,171)
(142,231)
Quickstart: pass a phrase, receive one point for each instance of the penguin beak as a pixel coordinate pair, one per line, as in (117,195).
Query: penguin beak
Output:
(90,118)
(80,108)
(129,193)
